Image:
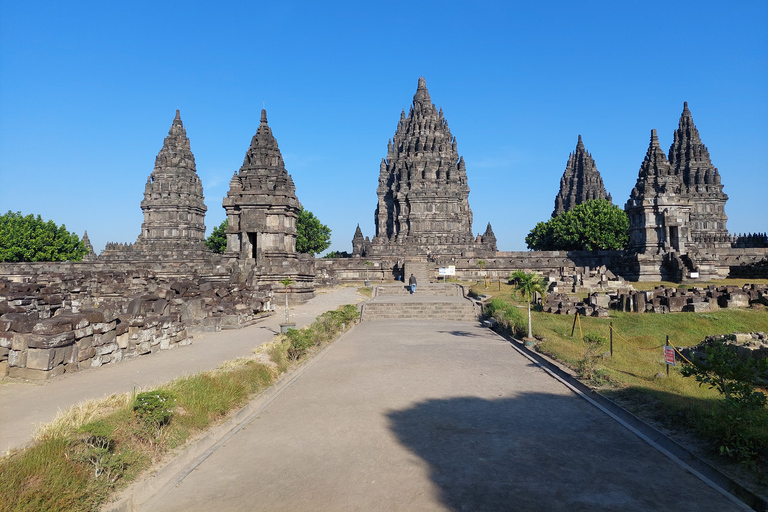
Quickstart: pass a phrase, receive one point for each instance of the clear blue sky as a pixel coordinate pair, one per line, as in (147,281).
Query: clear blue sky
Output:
(88,91)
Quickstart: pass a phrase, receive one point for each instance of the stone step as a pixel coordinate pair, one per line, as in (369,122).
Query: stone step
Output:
(450,311)
(434,289)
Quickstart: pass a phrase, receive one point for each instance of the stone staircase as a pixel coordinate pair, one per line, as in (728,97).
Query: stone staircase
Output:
(430,302)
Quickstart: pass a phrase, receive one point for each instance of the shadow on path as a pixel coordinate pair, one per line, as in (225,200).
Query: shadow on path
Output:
(542,452)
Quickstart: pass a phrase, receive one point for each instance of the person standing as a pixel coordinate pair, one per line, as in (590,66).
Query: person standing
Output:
(412,283)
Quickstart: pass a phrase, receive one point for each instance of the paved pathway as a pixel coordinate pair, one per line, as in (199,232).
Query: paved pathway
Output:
(415,415)
(24,406)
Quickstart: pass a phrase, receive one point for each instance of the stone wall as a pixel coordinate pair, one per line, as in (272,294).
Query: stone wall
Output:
(65,317)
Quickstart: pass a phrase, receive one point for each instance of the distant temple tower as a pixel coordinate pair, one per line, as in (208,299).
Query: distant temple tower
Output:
(423,193)
(174,211)
(581,181)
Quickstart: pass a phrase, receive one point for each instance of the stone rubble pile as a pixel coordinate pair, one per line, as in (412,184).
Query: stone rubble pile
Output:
(751,345)
(658,300)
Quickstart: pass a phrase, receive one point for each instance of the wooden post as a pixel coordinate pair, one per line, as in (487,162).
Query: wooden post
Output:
(666,345)
(575,317)
(611,336)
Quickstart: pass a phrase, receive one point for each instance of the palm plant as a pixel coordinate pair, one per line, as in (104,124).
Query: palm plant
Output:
(527,285)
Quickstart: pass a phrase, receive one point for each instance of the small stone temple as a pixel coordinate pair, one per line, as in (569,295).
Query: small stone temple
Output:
(423,206)
(581,181)
(262,209)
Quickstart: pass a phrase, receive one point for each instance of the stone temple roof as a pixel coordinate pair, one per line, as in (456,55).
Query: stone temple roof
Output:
(581,181)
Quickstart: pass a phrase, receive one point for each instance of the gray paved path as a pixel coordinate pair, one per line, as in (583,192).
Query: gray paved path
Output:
(416,415)
(24,406)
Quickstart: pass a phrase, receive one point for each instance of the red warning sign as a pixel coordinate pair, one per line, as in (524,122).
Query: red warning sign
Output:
(669,355)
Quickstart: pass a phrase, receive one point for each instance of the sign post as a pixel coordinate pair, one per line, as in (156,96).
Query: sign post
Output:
(446,271)
(669,355)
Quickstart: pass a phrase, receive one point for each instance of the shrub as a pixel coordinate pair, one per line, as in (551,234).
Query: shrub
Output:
(587,367)
(300,340)
(154,407)
(734,425)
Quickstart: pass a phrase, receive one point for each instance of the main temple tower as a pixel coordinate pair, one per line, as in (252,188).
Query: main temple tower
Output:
(423,204)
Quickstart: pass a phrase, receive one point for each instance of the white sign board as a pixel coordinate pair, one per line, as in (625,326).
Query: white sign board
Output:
(447,271)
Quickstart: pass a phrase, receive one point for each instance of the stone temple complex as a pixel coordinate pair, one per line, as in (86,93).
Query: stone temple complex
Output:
(581,181)
(423,204)
(135,299)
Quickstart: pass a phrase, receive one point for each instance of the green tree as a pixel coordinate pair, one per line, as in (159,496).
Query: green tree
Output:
(217,241)
(592,225)
(526,285)
(32,239)
(313,236)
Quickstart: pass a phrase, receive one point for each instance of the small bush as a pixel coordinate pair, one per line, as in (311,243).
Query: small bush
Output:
(587,367)
(154,407)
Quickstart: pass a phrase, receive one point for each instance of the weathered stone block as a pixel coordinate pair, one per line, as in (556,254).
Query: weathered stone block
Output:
(122,341)
(18,322)
(675,304)
(102,327)
(6,339)
(83,332)
(16,372)
(41,358)
(84,343)
(55,340)
(106,349)
(4,353)
(93,315)
(87,353)
(738,300)
(117,356)
(17,358)
(143,348)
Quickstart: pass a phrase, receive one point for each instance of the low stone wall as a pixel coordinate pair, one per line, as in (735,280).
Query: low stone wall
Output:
(65,317)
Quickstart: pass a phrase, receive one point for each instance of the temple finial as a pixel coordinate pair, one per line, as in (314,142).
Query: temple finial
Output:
(178,115)
(263,115)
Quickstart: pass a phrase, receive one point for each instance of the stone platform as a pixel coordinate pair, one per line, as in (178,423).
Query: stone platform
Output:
(430,302)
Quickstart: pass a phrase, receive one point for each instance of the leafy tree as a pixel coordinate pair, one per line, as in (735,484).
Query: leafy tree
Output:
(527,285)
(32,239)
(217,241)
(313,236)
(592,225)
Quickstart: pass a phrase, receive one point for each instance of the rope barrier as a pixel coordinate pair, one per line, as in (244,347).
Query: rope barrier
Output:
(632,344)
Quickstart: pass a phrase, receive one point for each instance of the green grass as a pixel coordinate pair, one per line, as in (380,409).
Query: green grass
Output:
(98,447)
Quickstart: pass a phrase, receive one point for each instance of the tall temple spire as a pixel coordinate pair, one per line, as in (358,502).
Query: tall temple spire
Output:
(581,181)
(423,191)
(689,158)
(173,205)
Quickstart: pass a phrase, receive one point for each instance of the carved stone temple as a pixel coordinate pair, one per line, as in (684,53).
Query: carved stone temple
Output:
(677,208)
(262,210)
(581,181)
(173,206)
(423,204)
